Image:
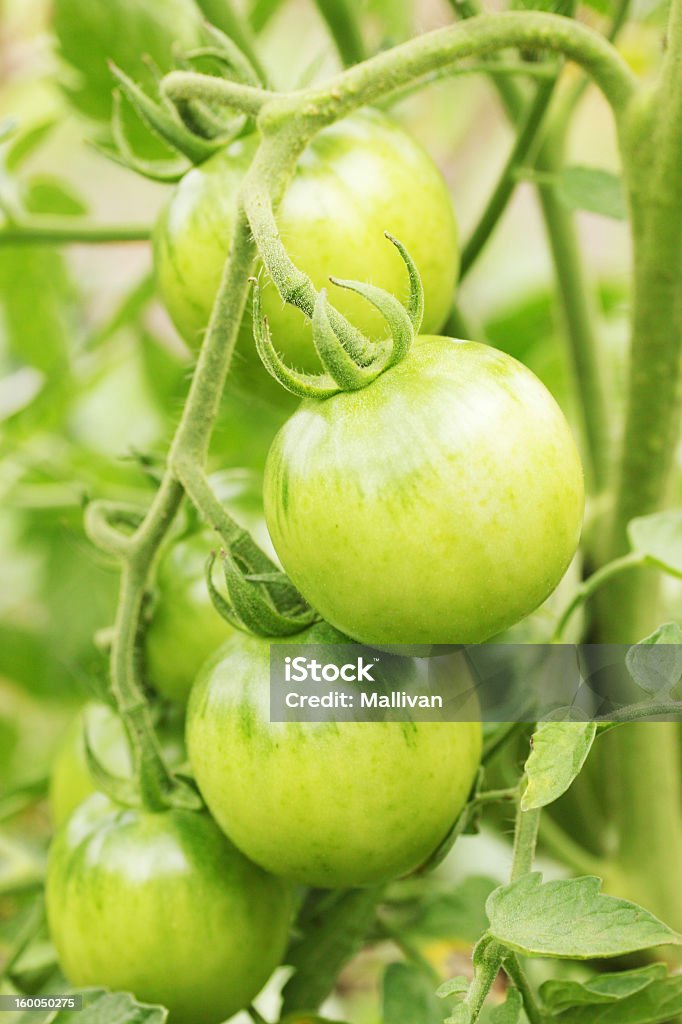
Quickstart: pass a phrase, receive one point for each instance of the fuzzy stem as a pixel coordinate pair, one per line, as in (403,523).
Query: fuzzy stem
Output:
(480,36)
(191,85)
(525,841)
(515,972)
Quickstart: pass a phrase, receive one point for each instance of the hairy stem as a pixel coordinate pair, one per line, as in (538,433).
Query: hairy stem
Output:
(525,841)
(513,968)
(191,85)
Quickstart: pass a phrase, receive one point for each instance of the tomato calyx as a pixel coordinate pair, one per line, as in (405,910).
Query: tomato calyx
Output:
(264,604)
(349,362)
(190,128)
(145,788)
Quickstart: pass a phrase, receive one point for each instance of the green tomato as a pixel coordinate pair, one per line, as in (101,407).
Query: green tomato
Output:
(357,179)
(441,504)
(71,782)
(324,804)
(186,628)
(162,905)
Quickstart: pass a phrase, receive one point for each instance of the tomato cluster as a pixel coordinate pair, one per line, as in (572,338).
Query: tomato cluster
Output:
(440,504)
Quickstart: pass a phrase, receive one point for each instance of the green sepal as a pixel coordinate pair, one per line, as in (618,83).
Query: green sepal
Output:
(415,300)
(223,607)
(168,172)
(334,356)
(303,385)
(256,608)
(393,312)
(227,53)
(184,793)
(252,606)
(161,121)
(122,791)
(350,360)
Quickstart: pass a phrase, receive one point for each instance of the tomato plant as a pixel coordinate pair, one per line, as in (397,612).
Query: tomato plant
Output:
(443,475)
(183,919)
(326,804)
(451,403)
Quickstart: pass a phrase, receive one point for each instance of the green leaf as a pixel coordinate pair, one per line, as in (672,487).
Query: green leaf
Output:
(101,1007)
(592,189)
(659,538)
(455,915)
(571,918)
(510,1010)
(37,313)
(657,672)
(51,196)
(559,751)
(333,933)
(600,6)
(599,989)
(460,1015)
(408,996)
(25,142)
(453,987)
(657,1003)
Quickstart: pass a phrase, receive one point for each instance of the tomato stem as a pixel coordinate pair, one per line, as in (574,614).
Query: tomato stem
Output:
(632,560)
(513,969)
(507,180)
(652,146)
(45,230)
(525,841)
(190,85)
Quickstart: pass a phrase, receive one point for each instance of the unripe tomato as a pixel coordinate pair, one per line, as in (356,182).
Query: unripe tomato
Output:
(357,179)
(325,804)
(185,627)
(440,504)
(71,782)
(162,905)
